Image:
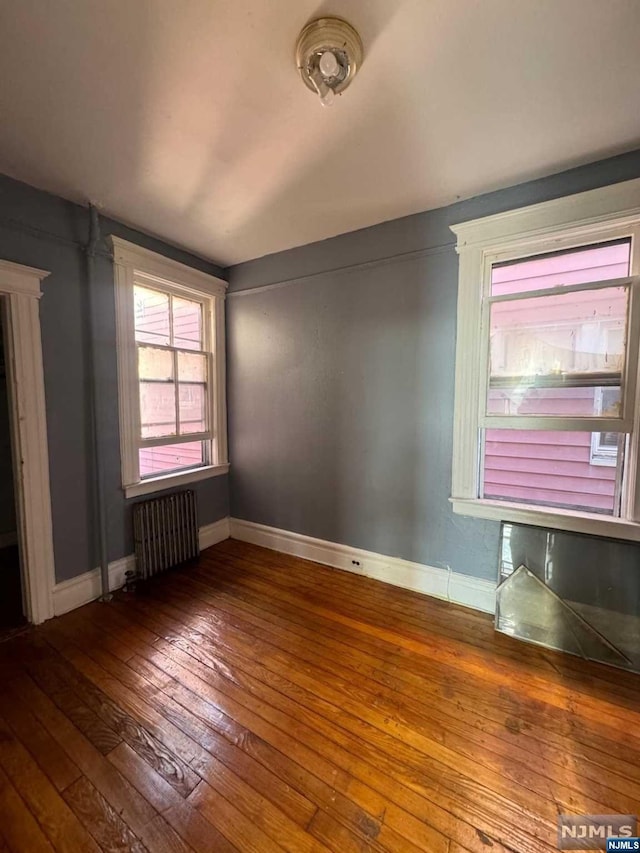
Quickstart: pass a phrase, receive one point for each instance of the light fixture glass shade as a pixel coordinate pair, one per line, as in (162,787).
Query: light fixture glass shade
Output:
(328,54)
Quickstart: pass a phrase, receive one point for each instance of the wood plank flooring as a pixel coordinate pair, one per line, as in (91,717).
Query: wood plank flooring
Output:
(258,702)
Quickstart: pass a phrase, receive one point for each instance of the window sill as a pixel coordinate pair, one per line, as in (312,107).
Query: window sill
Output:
(559,519)
(168,481)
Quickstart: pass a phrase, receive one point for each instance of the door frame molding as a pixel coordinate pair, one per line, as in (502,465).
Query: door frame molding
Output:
(20,285)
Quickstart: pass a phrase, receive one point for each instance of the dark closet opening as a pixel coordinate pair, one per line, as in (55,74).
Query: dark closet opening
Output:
(11,604)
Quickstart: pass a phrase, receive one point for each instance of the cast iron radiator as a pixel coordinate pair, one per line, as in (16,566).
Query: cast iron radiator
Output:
(165,532)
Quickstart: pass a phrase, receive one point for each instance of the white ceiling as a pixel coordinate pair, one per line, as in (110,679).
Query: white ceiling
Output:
(187,118)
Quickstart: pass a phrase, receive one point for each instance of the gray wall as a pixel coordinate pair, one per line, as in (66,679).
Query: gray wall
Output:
(341,380)
(43,231)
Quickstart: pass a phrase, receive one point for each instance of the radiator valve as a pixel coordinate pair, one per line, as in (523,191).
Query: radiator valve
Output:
(130,579)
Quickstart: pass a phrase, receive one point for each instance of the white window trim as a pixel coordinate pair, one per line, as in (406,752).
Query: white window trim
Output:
(131,261)
(606,457)
(582,219)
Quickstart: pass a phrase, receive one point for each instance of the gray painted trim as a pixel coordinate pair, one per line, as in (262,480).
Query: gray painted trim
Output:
(38,233)
(426,229)
(348,268)
(65,223)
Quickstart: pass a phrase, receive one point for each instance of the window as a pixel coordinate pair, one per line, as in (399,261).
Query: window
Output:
(557,341)
(170,335)
(546,419)
(605,445)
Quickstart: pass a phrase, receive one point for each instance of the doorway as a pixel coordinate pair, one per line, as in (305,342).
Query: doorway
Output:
(20,292)
(11,602)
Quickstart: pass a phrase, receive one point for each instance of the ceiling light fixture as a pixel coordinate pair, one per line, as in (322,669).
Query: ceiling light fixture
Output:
(328,55)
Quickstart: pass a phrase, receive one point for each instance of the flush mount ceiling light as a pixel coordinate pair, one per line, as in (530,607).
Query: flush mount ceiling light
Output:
(328,54)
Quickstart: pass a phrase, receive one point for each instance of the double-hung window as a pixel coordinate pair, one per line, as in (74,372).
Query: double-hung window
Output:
(547,424)
(170,338)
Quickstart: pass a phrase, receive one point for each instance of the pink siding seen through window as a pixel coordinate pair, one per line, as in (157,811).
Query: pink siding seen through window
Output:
(170,457)
(594,263)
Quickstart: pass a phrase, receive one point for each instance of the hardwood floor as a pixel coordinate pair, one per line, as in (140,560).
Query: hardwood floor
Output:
(258,702)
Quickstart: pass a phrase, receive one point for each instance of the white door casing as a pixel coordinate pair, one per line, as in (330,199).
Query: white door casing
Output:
(20,285)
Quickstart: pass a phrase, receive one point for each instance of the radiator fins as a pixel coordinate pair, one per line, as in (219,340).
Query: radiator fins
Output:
(165,532)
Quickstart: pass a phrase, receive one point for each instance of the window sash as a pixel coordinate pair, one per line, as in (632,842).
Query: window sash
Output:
(598,423)
(593,379)
(627,281)
(208,434)
(174,439)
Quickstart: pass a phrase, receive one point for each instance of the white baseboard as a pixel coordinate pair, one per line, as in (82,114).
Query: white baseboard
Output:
(213,533)
(441,583)
(430,580)
(87,587)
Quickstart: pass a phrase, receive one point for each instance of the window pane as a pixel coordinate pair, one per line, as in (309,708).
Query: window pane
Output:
(151,316)
(577,266)
(567,402)
(608,440)
(192,408)
(155,364)
(192,375)
(548,354)
(192,367)
(548,468)
(171,457)
(157,392)
(157,409)
(187,324)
